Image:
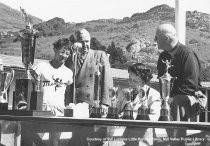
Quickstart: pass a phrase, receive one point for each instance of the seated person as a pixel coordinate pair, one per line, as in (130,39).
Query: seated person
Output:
(139,76)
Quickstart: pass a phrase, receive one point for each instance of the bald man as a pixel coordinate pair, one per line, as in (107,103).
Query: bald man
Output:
(186,68)
(88,63)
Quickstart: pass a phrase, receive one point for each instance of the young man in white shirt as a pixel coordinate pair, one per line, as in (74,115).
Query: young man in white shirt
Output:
(54,77)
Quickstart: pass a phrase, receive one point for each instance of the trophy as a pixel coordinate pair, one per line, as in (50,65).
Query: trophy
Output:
(143,111)
(165,88)
(96,111)
(27,96)
(6,78)
(28,41)
(113,111)
(128,108)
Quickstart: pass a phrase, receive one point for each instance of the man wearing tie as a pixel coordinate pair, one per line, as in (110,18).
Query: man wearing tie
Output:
(88,63)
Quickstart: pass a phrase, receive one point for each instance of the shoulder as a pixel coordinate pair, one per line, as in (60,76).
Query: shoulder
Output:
(67,70)
(99,53)
(154,94)
(185,50)
(42,64)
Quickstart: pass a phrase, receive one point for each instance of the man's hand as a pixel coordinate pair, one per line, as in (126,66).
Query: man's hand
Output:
(76,46)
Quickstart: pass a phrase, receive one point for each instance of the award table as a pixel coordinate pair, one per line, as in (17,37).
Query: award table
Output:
(61,131)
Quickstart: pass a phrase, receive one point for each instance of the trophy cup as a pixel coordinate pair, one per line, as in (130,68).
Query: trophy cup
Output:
(112,110)
(96,111)
(165,88)
(27,96)
(128,108)
(143,111)
(6,78)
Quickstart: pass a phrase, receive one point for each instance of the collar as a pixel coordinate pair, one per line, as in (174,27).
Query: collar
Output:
(175,49)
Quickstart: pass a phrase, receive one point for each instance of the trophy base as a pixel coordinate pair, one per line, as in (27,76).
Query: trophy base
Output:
(95,115)
(22,94)
(127,117)
(36,100)
(25,98)
(164,115)
(3,107)
(142,117)
(68,112)
(143,114)
(112,113)
(96,112)
(164,118)
(112,116)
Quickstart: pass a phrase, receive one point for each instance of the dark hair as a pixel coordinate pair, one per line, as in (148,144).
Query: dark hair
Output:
(61,42)
(141,70)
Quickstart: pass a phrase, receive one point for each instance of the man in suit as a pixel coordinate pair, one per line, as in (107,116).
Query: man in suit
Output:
(89,62)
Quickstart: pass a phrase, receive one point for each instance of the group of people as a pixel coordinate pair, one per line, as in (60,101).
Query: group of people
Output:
(57,76)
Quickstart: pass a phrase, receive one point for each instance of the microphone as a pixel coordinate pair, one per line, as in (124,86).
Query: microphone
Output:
(76,46)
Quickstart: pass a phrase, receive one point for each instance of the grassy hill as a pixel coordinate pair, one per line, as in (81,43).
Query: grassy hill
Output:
(119,31)
(11,19)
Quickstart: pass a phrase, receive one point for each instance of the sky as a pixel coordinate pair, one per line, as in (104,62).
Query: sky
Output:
(86,10)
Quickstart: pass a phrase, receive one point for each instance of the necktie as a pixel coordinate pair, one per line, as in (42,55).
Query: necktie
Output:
(80,60)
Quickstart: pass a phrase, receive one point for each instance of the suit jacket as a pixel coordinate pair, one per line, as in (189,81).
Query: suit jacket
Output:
(85,77)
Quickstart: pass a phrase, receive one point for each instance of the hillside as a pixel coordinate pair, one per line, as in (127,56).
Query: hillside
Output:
(120,31)
(11,19)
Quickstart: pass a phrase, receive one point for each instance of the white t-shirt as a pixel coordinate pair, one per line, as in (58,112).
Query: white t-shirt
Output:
(53,82)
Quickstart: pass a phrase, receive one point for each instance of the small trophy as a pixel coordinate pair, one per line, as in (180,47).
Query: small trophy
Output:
(6,78)
(128,108)
(96,111)
(143,111)
(165,88)
(27,96)
(113,111)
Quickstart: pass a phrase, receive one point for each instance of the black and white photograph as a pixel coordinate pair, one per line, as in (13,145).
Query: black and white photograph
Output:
(104,72)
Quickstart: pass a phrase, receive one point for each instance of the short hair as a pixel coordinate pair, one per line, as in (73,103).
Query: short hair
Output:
(167,30)
(61,42)
(140,69)
(80,34)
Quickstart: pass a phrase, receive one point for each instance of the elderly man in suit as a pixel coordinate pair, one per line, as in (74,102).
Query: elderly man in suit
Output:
(88,63)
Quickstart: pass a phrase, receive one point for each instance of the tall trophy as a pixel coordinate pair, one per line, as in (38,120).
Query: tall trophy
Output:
(128,108)
(112,110)
(165,88)
(6,78)
(143,110)
(27,96)
(97,111)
